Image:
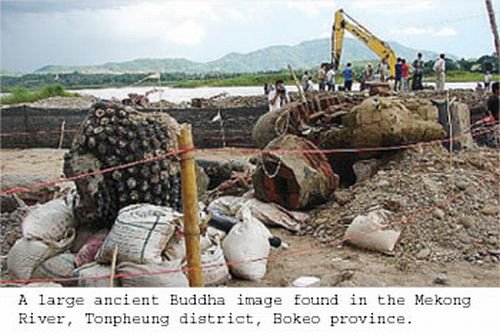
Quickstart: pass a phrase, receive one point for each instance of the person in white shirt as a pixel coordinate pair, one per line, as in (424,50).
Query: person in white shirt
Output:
(440,71)
(305,81)
(487,80)
(310,85)
(331,79)
(384,70)
(278,96)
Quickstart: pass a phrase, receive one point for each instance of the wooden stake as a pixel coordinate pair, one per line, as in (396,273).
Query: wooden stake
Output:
(61,138)
(190,206)
(113,267)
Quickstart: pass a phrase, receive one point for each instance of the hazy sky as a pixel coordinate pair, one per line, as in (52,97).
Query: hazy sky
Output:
(78,32)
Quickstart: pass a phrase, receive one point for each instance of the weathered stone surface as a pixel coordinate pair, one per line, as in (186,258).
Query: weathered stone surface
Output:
(295,180)
(114,135)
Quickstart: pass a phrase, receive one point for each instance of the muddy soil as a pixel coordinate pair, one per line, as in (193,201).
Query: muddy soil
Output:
(339,265)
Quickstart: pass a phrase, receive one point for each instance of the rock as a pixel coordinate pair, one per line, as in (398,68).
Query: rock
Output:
(494,252)
(490,210)
(466,221)
(382,184)
(462,184)
(464,239)
(364,169)
(492,240)
(295,181)
(423,254)
(306,281)
(8,204)
(438,213)
(347,219)
(474,233)
(441,279)
(343,197)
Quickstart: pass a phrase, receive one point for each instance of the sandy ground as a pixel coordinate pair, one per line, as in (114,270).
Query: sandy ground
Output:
(334,265)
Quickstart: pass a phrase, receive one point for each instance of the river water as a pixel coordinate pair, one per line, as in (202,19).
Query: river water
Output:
(177,95)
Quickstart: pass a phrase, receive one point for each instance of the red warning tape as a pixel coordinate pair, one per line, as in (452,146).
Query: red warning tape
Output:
(242,151)
(13,134)
(99,172)
(309,249)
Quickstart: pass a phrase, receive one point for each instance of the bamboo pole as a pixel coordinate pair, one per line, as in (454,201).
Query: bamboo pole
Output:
(299,87)
(190,206)
(113,267)
(61,137)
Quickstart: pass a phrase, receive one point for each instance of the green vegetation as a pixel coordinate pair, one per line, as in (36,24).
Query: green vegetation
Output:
(457,71)
(22,95)
(238,80)
(455,76)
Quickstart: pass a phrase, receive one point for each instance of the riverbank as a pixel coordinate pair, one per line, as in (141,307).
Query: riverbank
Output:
(104,81)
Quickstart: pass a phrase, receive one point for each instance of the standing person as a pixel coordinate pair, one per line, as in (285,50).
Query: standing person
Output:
(348,76)
(399,73)
(418,73)
(268,87)
(493,102)
(304,82)
(493,138)
(440,71)
(322,78)
(405,75)
(310,84)
(331,79)
(277,96)
(367,76)
(487,80)
(384,70)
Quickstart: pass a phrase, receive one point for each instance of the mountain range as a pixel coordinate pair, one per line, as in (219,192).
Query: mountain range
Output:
(303,55)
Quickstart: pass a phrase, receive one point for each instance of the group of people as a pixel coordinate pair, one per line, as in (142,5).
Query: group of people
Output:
(326,79)
(404,74)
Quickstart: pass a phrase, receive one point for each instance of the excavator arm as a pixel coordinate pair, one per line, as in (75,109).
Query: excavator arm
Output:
(379,47)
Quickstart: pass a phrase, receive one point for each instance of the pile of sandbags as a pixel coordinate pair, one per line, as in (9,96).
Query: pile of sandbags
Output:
(43,250)
(137,240)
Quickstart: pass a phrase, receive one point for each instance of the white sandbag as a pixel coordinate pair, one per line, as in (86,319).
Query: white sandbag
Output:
(368,232)
(60,266)
(214,266)
(226,205)
(94,275)
(43,285)
(246,247)
(26,255)
(272,214)
(176,247)
(140,232)
(165,274)
(50,222)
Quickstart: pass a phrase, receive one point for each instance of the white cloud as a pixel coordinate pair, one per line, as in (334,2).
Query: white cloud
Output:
(429,31)
(408,6)
(187,33)
(312,7)
(447,31)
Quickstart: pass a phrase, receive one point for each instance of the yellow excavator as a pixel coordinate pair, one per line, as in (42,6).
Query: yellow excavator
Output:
(344,22)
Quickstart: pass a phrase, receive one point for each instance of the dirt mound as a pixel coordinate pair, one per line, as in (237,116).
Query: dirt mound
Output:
(443,214)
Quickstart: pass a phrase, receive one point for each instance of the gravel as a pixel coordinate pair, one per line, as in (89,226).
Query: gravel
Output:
(440,219)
